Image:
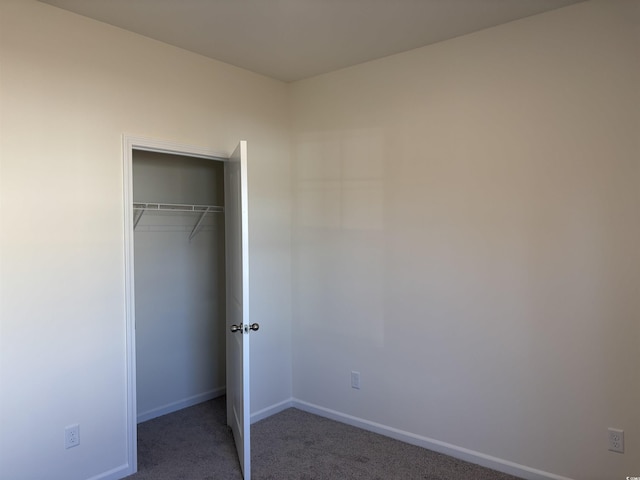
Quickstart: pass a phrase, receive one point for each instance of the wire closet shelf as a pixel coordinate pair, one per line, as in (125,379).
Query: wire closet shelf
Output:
(140,208)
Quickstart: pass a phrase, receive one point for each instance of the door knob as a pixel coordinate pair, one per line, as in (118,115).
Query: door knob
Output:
(236,328)
(254,327)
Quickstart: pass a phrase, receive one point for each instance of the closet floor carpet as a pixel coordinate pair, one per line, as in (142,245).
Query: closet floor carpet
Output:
(196,444)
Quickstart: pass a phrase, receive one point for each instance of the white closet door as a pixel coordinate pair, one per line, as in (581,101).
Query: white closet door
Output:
(238,320)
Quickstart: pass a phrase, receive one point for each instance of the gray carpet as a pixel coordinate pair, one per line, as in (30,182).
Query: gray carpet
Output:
(196,444)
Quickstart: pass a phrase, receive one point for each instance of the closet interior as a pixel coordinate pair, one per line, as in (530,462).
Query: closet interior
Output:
(179,270)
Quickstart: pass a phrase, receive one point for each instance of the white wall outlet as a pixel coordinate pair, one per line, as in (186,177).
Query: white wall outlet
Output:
(616,440)
(355,380)
(72,436)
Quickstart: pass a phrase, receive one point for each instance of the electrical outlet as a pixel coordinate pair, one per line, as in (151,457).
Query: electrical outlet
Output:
(72,436)
(355,380)
(616,440)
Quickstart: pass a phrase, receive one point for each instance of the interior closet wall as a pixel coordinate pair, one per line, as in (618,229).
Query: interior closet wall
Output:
(179,284)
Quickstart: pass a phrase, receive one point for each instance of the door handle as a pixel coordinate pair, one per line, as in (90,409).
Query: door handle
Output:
(240,328)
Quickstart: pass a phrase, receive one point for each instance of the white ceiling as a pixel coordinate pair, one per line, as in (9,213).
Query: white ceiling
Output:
(295,39)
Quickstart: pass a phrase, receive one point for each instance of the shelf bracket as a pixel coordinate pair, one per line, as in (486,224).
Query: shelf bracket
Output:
(197,227)
(137,216)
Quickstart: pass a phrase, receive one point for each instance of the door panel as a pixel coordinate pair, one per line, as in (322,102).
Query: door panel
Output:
(237,296)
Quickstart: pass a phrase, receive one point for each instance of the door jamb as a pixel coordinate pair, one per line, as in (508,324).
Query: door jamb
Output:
(129,144)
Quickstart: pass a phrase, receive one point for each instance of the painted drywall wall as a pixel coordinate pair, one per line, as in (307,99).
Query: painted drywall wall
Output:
(466,236)
(179,284)
(70,88)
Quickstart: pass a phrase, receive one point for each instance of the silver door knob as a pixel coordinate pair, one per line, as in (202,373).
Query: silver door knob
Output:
(254,327)
(236,328)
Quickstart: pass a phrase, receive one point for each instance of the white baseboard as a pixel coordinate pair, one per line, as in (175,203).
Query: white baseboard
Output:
(465,454)
(180,404)
(271,410)
(115,473)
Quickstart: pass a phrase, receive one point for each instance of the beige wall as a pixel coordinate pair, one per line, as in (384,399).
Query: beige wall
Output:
(466,231)
(70,88)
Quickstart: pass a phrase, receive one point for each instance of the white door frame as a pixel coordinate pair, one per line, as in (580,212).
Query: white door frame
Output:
(129,144)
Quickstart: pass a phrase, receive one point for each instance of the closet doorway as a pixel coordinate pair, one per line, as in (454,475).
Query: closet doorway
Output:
(178,206)
(186,239)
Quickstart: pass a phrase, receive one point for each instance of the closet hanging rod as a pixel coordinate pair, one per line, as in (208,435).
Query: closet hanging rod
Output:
(177,207)
(140,208)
